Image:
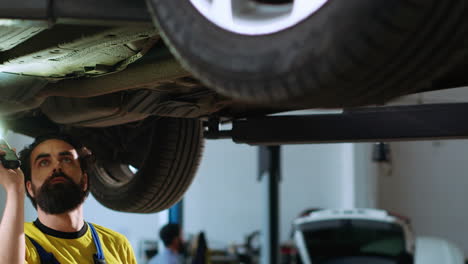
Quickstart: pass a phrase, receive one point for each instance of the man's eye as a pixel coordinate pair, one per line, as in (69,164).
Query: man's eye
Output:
(43,163)
(67,160)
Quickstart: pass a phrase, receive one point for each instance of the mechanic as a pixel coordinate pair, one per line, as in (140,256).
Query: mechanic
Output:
(171,235)
(56,181)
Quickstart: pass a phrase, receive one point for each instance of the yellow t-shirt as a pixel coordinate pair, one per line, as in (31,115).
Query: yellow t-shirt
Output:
(77,247)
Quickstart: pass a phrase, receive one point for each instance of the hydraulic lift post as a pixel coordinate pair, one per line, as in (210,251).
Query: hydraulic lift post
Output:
(176,213)
(270,175)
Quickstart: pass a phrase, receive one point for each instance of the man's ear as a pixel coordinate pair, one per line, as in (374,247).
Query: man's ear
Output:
(85,178)
(29,188)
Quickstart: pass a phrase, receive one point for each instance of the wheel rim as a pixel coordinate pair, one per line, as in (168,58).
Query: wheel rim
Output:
(256,17)
(116,175)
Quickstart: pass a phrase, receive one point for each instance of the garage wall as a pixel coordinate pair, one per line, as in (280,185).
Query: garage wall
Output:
(365,176)
(428,183)
(226,201)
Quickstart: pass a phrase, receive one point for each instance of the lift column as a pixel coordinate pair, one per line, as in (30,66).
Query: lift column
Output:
(176,213)
(270,175)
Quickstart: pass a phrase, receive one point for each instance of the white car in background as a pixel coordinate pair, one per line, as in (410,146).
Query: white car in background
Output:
(356,236)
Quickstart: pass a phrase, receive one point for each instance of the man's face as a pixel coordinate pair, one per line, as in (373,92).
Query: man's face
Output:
(57,182)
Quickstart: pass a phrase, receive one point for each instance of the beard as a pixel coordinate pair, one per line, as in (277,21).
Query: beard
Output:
(61,197)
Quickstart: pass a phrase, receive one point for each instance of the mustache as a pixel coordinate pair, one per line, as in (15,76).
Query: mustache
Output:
(57,174)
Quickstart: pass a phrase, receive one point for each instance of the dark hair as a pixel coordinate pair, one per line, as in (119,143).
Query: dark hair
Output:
(85,159)
(169,232)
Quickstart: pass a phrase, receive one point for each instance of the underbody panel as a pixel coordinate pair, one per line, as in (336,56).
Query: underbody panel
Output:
(78,64)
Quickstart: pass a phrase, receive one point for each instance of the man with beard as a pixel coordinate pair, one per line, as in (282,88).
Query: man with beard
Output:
(56,181)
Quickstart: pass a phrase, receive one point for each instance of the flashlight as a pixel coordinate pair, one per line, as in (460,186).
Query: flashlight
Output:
(9,160)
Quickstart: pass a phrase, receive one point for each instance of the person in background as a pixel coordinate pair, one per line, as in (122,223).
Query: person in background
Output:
(171,236)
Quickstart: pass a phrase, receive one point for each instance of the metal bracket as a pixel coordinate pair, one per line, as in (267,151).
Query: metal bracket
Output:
(212,129)
(372,124)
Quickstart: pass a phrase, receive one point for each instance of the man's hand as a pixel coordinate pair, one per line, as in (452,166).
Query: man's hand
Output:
(12,244)
(11,179)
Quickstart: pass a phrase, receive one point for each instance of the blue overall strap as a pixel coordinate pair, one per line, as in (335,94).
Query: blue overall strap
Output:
(46,257)
(99,256)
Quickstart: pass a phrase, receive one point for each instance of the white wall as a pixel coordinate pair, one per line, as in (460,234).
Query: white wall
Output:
(429,183)
(365,176)
(225,199)
(224,194)
(314,176)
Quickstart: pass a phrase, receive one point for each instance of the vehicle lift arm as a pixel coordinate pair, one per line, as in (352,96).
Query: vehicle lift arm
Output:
(370,124)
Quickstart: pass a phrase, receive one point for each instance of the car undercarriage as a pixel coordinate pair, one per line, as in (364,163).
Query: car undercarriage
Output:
(139,82)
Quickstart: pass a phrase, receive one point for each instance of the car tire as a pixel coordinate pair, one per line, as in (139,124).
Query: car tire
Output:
(346,53)
(164,151)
